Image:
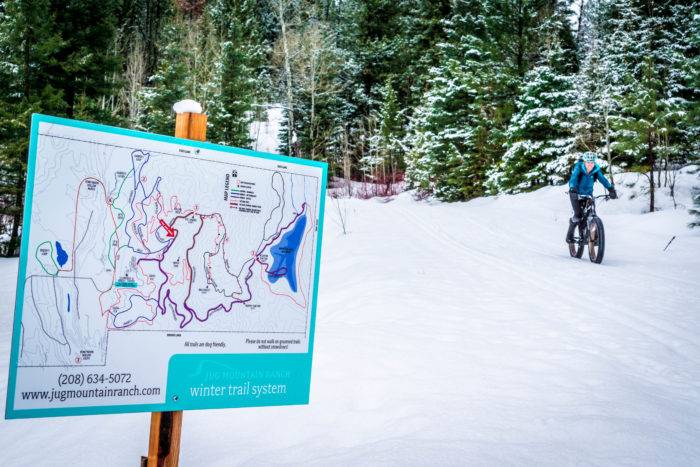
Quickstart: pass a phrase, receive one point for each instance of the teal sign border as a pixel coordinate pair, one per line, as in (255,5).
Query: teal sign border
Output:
(243,372)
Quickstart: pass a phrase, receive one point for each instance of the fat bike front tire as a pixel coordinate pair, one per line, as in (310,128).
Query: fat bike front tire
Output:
(596,241)
(576,248)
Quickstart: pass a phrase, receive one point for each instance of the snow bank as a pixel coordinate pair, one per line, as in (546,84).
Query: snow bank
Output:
(459,334)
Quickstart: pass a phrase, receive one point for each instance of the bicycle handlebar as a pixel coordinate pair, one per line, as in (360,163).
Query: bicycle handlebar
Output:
(606,196)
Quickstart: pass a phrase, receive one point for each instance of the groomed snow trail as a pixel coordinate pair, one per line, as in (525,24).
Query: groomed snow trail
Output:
(453,334)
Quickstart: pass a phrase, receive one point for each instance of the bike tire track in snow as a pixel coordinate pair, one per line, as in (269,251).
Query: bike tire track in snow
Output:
(551,286)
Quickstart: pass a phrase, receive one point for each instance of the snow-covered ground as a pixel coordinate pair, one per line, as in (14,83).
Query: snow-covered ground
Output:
(458,334)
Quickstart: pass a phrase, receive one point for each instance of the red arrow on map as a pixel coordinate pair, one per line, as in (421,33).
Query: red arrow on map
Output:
(170,231)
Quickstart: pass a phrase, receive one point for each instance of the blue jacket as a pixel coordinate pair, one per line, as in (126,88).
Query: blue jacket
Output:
(583,181)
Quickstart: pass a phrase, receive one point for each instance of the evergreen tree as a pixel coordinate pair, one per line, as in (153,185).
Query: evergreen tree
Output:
(384,158)
(643,46)
(318,68)
(598,98)
(58,58)
(423,27)
(513,28)
(666,43)
(210,53)
(541,141)
(84,65)
(383,39)
(691,124)
(143,22)
(622,35)
(608,56)
(323,78)
(458,134)
(239,73)
(167,86)
(393,38)
(645,125)
(680,49)
(595,101)
(390,130)
(26,44)
(455,135)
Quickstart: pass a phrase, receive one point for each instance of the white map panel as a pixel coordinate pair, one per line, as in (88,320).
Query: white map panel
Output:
(140,247)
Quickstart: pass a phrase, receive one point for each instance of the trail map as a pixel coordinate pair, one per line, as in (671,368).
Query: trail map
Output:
(139,249)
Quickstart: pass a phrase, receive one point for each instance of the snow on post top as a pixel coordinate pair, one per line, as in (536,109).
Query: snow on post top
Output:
(187,105)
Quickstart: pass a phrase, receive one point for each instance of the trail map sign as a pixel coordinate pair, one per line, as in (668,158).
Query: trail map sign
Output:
(162,274)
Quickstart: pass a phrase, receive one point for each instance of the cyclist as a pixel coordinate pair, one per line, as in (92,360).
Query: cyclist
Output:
(583,176)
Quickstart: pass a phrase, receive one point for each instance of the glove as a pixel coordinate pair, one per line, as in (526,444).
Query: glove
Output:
(573,191)
(612,193)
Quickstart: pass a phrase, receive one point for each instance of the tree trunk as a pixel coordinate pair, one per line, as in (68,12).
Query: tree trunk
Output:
(519,60)
(650,158)
(346,162)
(281,7)
(607,145)
(579,20)
(26,67)
(313,112)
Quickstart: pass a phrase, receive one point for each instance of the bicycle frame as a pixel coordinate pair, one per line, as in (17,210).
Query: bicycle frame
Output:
(589,207)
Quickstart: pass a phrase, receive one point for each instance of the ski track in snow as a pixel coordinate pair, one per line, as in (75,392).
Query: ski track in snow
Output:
(453,334)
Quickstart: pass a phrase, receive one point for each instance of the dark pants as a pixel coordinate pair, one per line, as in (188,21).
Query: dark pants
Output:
(576,205)
(578,214)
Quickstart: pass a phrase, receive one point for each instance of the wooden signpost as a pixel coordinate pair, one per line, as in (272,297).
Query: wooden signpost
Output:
(166,427)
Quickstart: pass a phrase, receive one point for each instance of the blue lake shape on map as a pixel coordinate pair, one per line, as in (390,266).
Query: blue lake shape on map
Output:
(61,255)
(284,255)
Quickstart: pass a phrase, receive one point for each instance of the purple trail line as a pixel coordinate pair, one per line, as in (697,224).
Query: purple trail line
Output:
(276,273)
(192,312)
(221,306)
(165,250)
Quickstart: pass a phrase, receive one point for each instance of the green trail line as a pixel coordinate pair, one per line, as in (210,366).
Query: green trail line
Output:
(109,242)
(36,255)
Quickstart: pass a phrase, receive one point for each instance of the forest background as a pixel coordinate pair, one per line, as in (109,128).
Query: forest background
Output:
(456,98)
